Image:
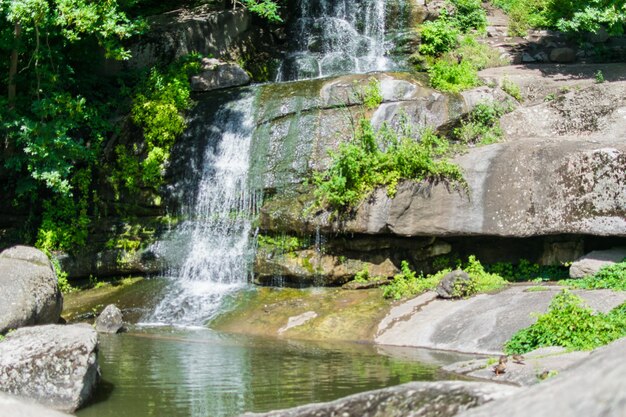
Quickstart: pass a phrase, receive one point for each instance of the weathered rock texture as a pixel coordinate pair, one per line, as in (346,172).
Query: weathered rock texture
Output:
(415,399)
(17,407)
(591,263)
(54,365)
(110,320)
(480,324)
(453,285)
(217,74)
(28,289)
(594,387)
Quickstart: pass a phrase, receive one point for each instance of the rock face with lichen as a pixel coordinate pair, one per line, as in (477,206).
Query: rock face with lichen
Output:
(110,320)
(54,365)
(28,289)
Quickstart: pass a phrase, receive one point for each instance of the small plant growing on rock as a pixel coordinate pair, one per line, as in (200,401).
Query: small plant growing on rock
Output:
(599,77)
(512,89)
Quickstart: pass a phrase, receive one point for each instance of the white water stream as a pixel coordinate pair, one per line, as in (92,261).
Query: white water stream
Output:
(218,232)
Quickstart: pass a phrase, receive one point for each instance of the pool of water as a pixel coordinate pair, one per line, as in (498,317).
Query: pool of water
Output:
(172,372)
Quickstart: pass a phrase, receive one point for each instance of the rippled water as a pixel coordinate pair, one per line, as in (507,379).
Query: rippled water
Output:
(197,372)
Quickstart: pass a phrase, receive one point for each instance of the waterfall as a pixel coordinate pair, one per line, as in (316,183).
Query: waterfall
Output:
(214,243)
(334,37)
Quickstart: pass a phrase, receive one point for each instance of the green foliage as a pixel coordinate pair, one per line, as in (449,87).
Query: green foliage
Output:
(469,15)
(407,283)
(570,323)
(371,95)
(158,105)
(525,270)
(267,9)
(482,124)
(478,54)
(512,89)
(65,219)
(611,276)
(381,159)
(438,36)
(453,77)
(282,243)
(572,16)
(599,76)
(64,285)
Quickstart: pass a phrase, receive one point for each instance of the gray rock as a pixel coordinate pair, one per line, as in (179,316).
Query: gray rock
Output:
(601,36)
(11,406)
(591,263)
(54,365)
(526,373)
(563,55)
(415,399)
(29,293)
(480,324)
(594,387)
(217,74)
(110,320)
(454,284)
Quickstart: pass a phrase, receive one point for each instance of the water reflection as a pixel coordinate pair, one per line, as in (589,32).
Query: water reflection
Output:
(197,372)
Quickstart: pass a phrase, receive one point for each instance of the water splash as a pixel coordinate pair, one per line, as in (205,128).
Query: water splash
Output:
(216,236)
(334,37)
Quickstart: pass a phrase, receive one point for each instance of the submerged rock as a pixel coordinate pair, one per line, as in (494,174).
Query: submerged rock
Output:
(17,407)
(29,293)
(591,263)
(110,320)
(415,399)
(54,365)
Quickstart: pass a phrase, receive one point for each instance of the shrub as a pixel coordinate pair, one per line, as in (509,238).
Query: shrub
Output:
(383,158)
(453,77)
(512,89)
(408,283)
(469,15)
(570,323)
(438,36)
(481,126)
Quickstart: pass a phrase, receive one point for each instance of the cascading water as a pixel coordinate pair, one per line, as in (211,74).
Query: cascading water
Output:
(333,37)
(216,237)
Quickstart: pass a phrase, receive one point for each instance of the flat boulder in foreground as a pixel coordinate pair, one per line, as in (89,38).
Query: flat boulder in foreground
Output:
(18,407)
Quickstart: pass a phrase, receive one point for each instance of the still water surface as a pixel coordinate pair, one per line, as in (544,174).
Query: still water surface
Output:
(198,372)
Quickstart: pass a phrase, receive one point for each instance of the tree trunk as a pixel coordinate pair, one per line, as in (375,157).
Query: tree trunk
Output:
(13,66)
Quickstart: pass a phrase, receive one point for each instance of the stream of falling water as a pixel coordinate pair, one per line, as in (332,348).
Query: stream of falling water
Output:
(218,232)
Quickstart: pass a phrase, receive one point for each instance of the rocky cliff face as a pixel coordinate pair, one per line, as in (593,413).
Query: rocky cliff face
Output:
(554,182)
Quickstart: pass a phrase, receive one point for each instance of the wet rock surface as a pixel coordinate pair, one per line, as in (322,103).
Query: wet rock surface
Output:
(54,365)
(28,289)
(415,399)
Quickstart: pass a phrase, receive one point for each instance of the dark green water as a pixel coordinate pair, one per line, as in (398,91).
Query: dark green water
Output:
(185,372)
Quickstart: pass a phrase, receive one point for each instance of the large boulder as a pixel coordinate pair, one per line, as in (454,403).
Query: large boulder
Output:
(217,74)
(415,399)
(591,263)
(18,407)
(110,320)
(29,293)
(594,387)
(54,365)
